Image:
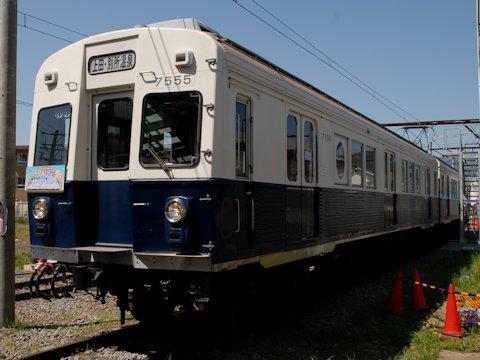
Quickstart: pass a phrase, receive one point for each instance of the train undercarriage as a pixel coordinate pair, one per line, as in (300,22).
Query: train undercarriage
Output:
(153,295)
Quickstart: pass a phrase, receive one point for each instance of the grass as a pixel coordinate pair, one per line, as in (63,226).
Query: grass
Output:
(427,345)
(22,244)
(348,319)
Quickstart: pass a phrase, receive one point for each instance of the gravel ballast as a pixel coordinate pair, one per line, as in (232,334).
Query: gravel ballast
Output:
(42,324)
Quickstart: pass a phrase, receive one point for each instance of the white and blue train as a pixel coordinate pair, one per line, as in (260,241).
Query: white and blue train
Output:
(166,154)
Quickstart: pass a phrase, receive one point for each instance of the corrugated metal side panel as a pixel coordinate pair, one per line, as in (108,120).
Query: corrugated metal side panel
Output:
(435,210)
(270,215)
(454,209)
(443,209)
(412,209)
(350,212)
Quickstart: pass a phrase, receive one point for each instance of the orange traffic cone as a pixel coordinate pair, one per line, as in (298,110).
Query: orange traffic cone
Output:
(419,302)
(452,328)
(396,303)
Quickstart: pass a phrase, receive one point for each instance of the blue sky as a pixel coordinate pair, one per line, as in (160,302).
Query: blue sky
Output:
(419,54)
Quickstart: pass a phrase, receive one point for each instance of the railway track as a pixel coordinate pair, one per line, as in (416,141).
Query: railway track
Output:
(107,339)
(24,285)
(336,287)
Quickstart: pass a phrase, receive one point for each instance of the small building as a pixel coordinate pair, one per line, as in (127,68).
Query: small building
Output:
(20,169)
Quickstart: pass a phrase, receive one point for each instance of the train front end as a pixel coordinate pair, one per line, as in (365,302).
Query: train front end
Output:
(121,173)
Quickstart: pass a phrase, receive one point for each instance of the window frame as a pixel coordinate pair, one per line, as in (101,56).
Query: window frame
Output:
(411,181)
(69,132)
(339,139)
(22,162)
(20,186)
(297,147)
(418,179)
(428,181)
(392,167)
(385,171)
(197,139)
(125,168)
(306,120)
(404,176)
(366,148)
(362,162)
(248,136)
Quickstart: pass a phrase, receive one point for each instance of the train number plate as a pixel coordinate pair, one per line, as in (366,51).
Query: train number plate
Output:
(111,63)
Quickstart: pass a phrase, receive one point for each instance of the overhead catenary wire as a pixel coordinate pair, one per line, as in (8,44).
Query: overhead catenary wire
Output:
(342,71)
(330,59)
(28,27)
(51,23)
(25,26)
(316,56)
(24,103)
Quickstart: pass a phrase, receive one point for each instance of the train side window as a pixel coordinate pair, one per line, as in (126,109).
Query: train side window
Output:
(341,160)
(308,153)
(242,133)
(385,173)
(404,176)
(417,179)
(292,166)
(442,185)
(370,164)
(392,171)
(411,177)
(428,182)
(447,192)
(357,163)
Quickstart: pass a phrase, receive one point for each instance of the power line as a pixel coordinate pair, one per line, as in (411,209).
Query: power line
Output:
(375,92)
(51,23)
(24,103)
(44,33)
(317,57)
(330,60)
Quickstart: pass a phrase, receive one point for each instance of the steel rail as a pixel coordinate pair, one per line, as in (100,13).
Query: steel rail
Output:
(25,283)
(106,339)
(26,295)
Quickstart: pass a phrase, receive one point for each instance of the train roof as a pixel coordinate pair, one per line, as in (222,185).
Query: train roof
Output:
(194,24)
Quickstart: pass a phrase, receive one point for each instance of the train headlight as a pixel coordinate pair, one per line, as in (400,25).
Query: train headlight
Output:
(41,208)
(175,210)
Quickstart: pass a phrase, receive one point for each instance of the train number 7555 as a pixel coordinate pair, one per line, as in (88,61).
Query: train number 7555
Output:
(184,79)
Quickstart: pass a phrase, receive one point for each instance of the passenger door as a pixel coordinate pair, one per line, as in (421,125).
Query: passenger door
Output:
(110,161)
(293,211)
(243,196)
(390,188)
(309,160)
(301,196)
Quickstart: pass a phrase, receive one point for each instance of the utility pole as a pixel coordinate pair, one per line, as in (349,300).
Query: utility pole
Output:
(8,94)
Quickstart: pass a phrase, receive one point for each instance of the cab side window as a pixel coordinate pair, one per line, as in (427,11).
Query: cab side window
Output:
(292,153)
(242,137)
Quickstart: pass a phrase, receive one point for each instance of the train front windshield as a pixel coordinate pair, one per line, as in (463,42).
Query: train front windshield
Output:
(170,128)
(53,132)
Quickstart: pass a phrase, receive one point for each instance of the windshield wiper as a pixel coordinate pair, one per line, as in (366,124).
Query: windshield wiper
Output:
(160,161)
